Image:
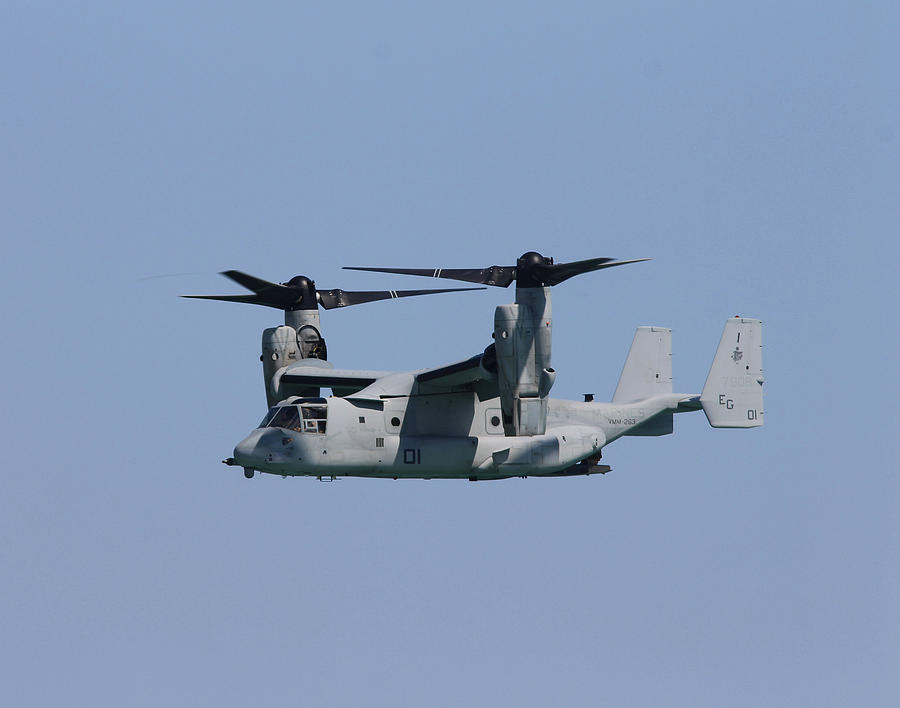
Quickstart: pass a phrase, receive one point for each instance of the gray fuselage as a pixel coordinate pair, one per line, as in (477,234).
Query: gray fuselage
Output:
(440,436)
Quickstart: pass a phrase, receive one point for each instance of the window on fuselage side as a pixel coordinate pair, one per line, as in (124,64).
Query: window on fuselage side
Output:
(314,418)
(268,417)
(286,417)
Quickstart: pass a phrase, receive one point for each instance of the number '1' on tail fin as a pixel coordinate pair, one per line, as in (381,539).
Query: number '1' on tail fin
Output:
(733,394)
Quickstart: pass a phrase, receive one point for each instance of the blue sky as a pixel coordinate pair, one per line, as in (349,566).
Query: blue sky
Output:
(751,150)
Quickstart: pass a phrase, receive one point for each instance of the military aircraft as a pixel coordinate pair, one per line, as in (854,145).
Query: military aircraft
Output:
(486,417)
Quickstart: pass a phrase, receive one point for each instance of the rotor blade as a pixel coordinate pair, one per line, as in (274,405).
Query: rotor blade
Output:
(559,272)
(250,299)
(500,276)
(271,294)
(342,298)
(265,293)
(249,281)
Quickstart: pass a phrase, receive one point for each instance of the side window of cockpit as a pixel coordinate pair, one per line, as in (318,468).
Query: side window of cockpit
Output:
(286,417)
(268,418)
(314,418)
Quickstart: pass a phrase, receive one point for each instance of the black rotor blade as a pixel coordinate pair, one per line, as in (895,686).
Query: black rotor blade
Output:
(500,276)
(281,297)
(250,299)
(557,273)
(342,298)
(250,282)
(272,294)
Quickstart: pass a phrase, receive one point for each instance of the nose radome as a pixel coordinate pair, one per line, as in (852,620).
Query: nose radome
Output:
(263,447)
(251,450)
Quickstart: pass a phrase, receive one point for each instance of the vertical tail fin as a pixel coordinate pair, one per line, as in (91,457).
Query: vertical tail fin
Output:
(648,368)
(733,394)
(648,372)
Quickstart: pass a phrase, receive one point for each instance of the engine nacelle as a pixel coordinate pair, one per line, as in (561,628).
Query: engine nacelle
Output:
(522,338)
(283,346)
(279,349)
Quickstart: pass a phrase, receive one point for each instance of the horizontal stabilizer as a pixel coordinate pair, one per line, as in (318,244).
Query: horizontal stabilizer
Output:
(733,394)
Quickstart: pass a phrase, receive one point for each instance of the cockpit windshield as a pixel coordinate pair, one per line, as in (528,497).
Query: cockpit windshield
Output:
(308,417)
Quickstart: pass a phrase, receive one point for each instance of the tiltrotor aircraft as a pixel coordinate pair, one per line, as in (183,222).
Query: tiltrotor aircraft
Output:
(487,417)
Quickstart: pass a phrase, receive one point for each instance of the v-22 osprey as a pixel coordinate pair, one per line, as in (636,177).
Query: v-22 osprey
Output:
(487,417)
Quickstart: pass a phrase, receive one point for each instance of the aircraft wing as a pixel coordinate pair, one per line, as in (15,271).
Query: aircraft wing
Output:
(299,379)
(341,378)
(469,375)
(479,371)
(473,374)
(460,372)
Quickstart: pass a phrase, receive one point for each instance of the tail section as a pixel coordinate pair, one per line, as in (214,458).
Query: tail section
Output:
(733,394)
(648,368)
(647,373)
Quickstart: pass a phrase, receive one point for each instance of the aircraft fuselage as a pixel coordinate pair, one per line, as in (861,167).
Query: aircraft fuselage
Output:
(442,436)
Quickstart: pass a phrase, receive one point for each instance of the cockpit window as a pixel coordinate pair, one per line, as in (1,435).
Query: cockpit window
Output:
(286,417)
(268,417)
(314,418)
(305,418)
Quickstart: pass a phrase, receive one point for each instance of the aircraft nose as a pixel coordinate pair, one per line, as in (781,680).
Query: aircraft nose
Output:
(266,450)
(251,451)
